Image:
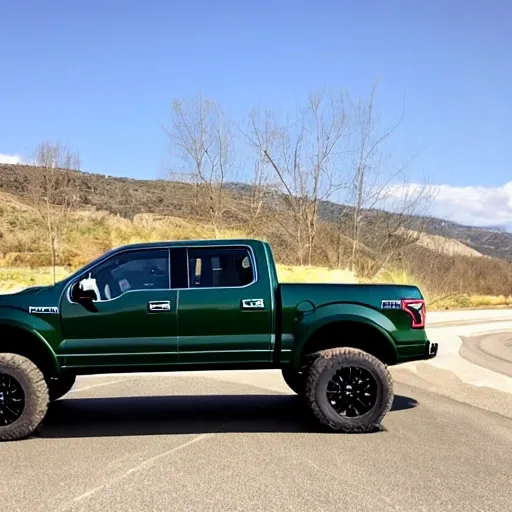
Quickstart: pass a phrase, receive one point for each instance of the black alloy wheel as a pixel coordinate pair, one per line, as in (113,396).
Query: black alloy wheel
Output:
(12,399)
(23,397)
(349,390)
(352,391)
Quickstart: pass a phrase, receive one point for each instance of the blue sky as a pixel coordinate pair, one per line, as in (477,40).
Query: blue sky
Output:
(100,76)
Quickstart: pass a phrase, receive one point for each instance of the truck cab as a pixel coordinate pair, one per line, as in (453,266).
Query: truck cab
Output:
(204,304)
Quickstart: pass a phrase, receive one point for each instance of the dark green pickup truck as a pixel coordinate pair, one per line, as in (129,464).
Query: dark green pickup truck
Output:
(200,305)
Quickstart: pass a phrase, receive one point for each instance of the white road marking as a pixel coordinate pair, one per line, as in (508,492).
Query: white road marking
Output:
(145,464)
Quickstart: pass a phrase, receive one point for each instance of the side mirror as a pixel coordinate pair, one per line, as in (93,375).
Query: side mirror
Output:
(81,296)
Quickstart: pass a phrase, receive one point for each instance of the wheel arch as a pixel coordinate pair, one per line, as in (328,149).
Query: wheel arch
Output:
(18,339)
(347,331)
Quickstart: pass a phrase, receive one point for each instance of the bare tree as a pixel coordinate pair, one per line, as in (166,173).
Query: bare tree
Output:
(373,177)
(51,189)
(255,198)
(55,155)
(305,157)
(259,191)
(395,226)
(199,135)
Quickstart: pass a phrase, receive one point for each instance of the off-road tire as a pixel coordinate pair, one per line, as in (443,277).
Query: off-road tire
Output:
(36,398)
(60,386)
(294,380)
(325,365)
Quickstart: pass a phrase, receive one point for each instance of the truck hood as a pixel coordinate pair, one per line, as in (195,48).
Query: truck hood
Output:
(33,296)
(26,291)
(370,295)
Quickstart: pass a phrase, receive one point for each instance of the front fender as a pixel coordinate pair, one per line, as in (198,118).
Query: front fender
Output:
(36,326)
(308,323)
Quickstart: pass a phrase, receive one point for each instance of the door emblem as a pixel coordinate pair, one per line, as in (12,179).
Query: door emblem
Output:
(253,304)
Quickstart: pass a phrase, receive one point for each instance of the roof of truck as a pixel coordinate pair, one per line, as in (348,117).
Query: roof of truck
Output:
(199,242)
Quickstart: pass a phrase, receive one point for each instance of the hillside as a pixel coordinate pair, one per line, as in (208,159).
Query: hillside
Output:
(443,245)
(129,197)
(490,242)
(109,212)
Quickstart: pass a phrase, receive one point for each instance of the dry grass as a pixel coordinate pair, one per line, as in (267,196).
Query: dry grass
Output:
(295,274)
(12,279)
(464,301)
(87,234)
(450,278)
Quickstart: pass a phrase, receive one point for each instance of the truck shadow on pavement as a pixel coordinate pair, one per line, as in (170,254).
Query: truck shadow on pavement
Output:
(160,415)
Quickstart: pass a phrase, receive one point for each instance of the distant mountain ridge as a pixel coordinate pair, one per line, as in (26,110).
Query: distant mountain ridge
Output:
(489,241)
(128,197)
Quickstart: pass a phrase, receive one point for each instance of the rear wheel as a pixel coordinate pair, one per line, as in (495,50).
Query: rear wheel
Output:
(23,397)
(60,386)
(295,380)
(349,390)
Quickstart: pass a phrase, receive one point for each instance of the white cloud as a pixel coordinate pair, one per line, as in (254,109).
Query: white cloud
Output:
(471,205)
(10,159)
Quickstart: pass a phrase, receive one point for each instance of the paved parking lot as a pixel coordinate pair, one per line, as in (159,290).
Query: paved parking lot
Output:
(230,441)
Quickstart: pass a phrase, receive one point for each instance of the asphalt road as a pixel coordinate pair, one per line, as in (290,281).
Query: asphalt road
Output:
(492,351)
(240,441)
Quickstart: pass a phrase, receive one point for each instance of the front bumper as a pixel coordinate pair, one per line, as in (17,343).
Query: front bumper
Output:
(431,350)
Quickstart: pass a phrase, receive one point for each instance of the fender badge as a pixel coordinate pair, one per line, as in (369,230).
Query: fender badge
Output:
(391,304)
(51,310)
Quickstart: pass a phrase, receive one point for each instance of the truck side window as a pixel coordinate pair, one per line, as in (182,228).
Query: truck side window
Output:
(220,267)
(133,270)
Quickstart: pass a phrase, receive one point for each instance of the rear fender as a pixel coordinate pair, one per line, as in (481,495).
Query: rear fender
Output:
(309,323)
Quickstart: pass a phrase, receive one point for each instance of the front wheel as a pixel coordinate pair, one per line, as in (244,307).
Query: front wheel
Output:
(349,390)
(23,397)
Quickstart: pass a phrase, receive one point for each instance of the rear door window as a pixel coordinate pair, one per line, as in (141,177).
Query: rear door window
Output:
(220,267)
